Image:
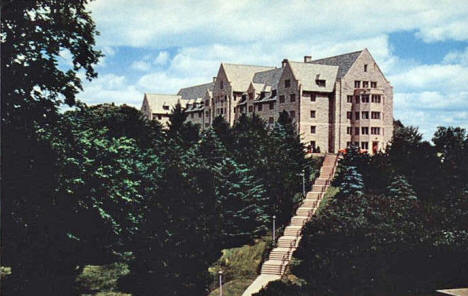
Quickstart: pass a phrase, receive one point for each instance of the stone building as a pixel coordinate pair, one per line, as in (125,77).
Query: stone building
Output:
(334,102)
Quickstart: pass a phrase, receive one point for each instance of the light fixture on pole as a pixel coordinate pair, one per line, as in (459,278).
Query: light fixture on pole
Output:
(274,230)
(220,273)
(303,183)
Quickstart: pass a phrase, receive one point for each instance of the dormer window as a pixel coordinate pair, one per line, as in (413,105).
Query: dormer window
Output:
(320,82)
(262,95)
(287,83)
(273,93)
(365,68)
(165,107)
(244,97)
(221,84)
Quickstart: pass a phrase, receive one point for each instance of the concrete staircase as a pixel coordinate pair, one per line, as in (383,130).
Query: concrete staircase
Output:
(281,255)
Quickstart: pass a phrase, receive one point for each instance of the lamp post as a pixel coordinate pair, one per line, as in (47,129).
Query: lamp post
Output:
(303,183)
(220,273)
(274,230)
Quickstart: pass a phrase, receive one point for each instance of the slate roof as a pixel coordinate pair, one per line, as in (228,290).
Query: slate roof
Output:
(240,76)
(343,61)
(157,102)
(269,77)
(196,91)
(308,73)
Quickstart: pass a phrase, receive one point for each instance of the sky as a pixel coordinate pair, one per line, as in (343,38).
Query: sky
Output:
(160,46)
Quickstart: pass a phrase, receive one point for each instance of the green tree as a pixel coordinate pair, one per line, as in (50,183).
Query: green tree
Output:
(185,133)
(33,35)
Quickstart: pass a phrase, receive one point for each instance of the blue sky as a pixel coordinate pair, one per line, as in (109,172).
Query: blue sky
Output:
(160,46)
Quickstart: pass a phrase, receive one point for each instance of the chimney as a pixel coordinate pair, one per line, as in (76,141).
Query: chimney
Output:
(307,59)
(283,63)
(214,79)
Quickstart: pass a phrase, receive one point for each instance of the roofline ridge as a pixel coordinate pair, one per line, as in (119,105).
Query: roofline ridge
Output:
(176,95)
(197,85)
(248,65)
(340,55)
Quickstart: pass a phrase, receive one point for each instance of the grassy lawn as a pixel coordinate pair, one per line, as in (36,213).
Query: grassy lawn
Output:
(101,280)
(329,194)
(240,267)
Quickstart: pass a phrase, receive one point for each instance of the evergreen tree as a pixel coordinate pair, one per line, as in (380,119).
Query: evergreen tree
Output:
(242,203)
(184,133)
(352,183)
(400,188)
(223,130)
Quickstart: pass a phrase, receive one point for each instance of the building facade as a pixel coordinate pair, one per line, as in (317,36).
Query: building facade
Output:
(334,102)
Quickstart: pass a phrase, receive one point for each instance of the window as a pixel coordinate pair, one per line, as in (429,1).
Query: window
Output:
(200,114)
(287,83)
(251,96)
(222,110)
(272,105)
(375,98)
(250,108)
(348,115)
(365,68)
(281,99)
(356,115)
(207,103)
(270,120)
(365,115)
(365,84)
(273,93)
(191,115)
(166,107)
(312,129)
(356,131)
(365,98)
(375,115)
(375,130)
(373,84)
(349,99)
(357,84)
(312,145)
(348,130)
(260,107)
(221,84)
(292,114)
(159,116)
(293,97)
(348,144)
(312,97)
(365,145)
(320,82)
(312,114)
(365,130)
(357,99)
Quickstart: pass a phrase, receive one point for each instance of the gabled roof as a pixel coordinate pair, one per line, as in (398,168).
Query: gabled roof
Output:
(343,61)
(196,91)
(269,77)
(157,102)
(240,76)
(309,73)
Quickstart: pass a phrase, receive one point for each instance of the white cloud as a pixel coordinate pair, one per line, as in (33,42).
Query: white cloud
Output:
(457,57)
(162,24)
(162,58)
(110,88)
(140,65)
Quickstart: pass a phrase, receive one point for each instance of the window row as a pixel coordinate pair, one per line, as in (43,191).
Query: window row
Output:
(292,98)
(364,115)
(365,84)
(364,130)
(364,145)
(200,113)
(364,99)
